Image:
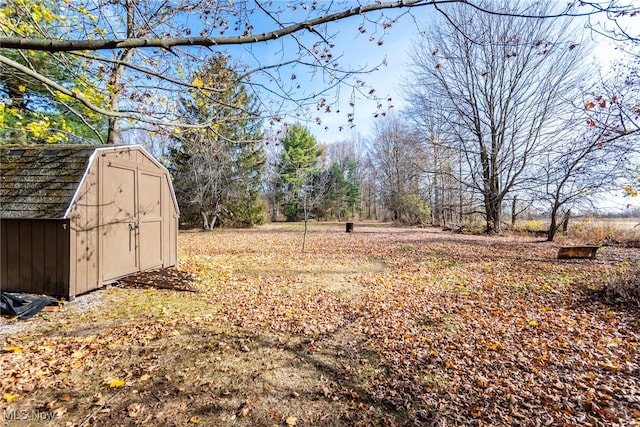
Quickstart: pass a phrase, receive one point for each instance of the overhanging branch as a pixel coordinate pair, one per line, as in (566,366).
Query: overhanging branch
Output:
(84,101)
(53,45)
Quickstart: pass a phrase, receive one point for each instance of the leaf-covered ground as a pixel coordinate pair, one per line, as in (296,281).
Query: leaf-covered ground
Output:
(383,326)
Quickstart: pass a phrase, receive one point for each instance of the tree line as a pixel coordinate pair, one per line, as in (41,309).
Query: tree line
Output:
(504,111)
(502,119)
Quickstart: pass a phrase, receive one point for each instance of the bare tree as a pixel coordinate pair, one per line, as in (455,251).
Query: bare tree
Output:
(590,156)
(371,189)
(443,180)
(572,175)
(614,110)
(500,80)
(400,156)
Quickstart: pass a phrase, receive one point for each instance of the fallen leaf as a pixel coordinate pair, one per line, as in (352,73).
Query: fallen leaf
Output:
(9,397)
(476,412)
(135,407)
(291,421)
(115,383)
(611,366)
(482,382)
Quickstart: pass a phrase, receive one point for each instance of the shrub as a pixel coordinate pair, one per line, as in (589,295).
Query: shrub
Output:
(533,225)
(606,231)
(624,287)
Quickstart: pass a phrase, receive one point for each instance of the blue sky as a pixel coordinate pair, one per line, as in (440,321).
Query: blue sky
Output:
(355,51)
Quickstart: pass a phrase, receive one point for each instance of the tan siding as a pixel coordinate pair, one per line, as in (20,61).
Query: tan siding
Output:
(152,238)
(166,227)
(92,250)
(135,158)
(131,154)
(169,227)
(76,269)
(174,240)
(62,284)
(75,216)
(84,251)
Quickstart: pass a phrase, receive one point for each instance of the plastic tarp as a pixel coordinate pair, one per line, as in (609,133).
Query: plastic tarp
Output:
(24,306)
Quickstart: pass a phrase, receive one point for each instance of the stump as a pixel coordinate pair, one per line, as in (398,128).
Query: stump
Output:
(567,252)
(349,227)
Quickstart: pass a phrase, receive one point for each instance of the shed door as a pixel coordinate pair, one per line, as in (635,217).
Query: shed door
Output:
(150,219)
(119,213)
(132,215)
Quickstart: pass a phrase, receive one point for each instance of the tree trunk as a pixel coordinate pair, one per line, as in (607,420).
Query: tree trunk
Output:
(208,223)
(205,221)
(304,236)
(551,234)
(553,226)
(565,221)
(306,219)
(493,207)
(513,211)
(113,133)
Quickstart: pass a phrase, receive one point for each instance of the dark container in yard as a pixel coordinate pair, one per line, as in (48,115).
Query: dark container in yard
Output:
(349,227)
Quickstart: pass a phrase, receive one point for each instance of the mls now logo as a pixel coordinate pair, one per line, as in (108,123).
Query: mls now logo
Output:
(22,415)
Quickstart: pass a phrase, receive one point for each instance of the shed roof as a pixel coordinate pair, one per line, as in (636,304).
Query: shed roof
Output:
(40,181)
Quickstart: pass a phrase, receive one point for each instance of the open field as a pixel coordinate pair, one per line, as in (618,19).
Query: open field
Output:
(383,326)
(592,230)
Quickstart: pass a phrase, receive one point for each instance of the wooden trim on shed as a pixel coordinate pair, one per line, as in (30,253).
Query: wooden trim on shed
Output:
(81,185)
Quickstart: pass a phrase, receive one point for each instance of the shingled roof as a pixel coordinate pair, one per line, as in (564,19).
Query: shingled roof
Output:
(40,181)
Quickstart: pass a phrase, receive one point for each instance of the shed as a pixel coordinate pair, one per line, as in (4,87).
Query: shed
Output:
(76,217)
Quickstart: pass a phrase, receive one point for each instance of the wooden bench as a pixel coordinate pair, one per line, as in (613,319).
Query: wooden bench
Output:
(578,252)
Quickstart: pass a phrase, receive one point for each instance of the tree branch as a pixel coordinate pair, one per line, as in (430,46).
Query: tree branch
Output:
(55,45)
(84,101)
(52,45)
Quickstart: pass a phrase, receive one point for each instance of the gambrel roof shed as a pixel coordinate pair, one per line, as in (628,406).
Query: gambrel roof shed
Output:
(76,217)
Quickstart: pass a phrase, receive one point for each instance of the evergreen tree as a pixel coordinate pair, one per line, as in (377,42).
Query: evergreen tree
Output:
(299,162)
(342,194)
(217,169)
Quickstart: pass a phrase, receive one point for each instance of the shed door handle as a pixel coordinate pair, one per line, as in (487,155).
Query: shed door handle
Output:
(132,228)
